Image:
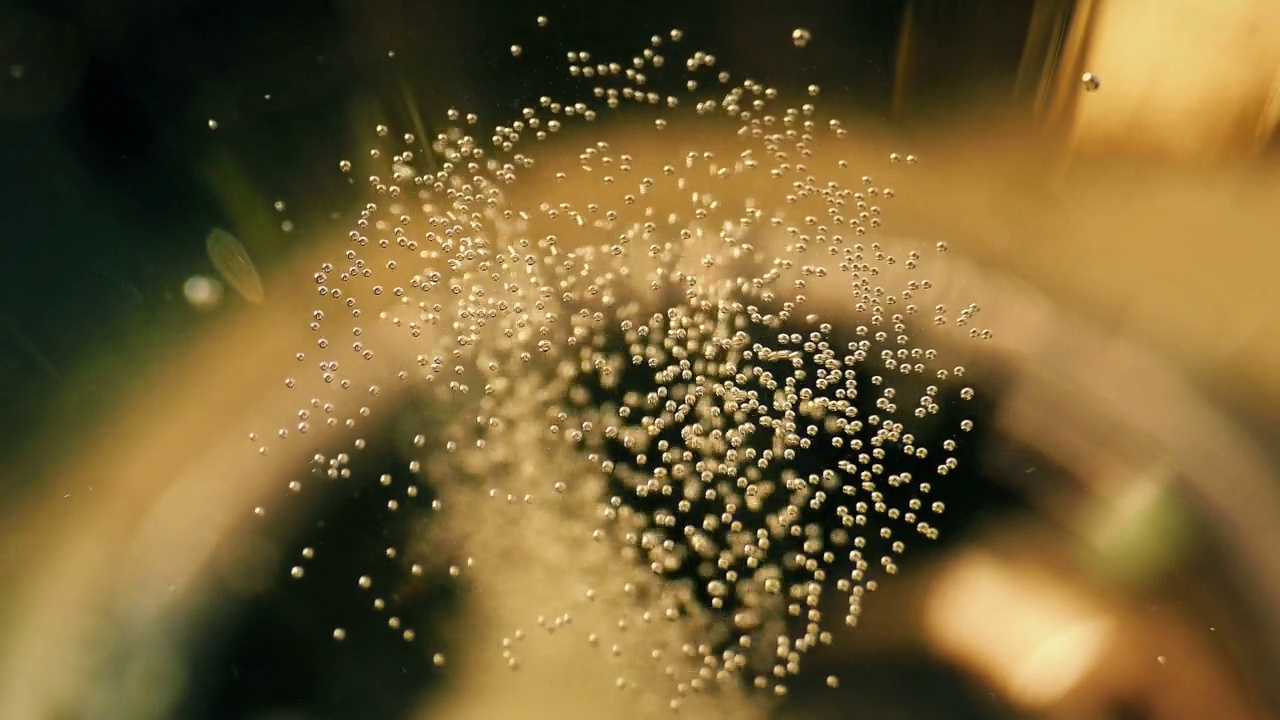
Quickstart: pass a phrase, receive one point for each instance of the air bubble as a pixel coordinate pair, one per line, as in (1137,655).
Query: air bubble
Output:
(644,366)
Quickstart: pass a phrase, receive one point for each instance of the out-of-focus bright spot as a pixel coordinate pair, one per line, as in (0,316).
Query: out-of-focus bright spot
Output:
(402,172)
(1139,534)
(42,62)
(1022,630)
(1090,82)
(202,292)
(234,265)
(287,226)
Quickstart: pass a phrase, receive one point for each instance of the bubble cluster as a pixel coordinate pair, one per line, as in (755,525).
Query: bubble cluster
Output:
(701,379)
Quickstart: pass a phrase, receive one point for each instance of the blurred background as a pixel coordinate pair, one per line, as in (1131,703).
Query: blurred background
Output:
(1115,556)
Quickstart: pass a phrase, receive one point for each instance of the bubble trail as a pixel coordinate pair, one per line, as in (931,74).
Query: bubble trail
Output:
(691,391)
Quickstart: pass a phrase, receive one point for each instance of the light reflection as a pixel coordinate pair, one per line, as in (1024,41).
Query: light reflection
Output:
(1027,633)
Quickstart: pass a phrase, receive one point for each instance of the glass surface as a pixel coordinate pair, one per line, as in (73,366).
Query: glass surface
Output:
(407,359)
